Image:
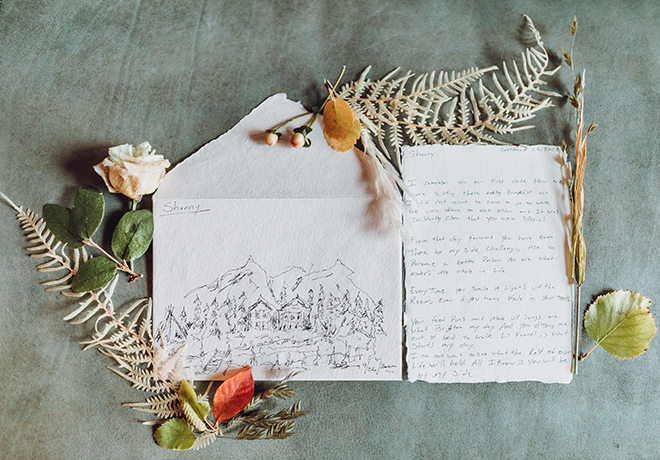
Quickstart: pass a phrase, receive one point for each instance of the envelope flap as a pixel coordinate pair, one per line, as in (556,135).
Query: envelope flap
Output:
(239,164)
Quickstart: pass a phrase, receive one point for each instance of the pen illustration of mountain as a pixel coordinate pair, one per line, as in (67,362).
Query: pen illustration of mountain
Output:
(298,319)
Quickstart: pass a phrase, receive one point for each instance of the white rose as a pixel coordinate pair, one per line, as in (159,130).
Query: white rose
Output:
(133,172)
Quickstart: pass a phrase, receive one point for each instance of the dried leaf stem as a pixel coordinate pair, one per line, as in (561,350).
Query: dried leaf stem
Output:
(315,115)
(121,265)
(578,247)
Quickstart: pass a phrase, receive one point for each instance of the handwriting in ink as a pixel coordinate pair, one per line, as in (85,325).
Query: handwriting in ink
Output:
(171,208)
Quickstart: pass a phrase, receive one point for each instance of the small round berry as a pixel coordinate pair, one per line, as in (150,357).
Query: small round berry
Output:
(298,140)
(271,139)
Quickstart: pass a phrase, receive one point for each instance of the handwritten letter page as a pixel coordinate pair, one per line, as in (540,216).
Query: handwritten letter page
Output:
(488,293)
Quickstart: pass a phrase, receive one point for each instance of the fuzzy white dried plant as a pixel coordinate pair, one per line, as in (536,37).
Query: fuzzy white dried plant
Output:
(451,108)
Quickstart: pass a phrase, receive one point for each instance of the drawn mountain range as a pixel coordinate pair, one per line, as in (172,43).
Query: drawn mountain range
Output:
(299,309)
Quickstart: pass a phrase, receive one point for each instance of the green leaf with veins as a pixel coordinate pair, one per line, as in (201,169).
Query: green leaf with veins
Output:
(57,219)
(93,274)
(87,212)
(133,234)
(621,323)
(175,434)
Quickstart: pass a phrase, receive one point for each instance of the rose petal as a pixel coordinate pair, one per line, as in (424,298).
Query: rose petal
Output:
(115,153)
(132,172)
(142,150)
(102,170)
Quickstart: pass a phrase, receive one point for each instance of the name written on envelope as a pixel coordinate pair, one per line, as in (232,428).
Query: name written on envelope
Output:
(170,208)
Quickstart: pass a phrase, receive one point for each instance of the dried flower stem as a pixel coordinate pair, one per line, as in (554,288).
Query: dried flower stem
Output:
(284,123)
(575,320)
(316,112)
(578,247)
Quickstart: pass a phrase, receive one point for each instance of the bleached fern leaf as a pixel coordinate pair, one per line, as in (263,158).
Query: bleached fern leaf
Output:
(163,406)
(124,336)
(43,244)
(454,108)
(170,363)
(150,383)
(129,346)
(204,440)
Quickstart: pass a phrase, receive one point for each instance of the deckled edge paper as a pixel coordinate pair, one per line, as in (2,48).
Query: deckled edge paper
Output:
(237,220)
(488,289)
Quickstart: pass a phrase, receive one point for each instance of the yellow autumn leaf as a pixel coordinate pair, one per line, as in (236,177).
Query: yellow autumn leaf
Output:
(341,128)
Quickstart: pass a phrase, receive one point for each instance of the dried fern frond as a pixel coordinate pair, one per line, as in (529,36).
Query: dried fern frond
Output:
(123,336)
(451,108)
(204,440)
(171,366)
(43,244)
(163,406)
(126,338)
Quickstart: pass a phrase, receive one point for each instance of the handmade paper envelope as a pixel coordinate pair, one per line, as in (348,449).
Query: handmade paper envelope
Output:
(273,257)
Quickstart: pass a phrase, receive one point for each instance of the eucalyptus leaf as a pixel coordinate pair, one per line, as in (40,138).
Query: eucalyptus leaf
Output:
(87,212)
(57,219)
(175,434)
(93,274)
(187,395)
(621,323)
(133,234)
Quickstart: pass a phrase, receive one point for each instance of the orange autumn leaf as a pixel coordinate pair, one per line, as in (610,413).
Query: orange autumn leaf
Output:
(233,395)
(340,126)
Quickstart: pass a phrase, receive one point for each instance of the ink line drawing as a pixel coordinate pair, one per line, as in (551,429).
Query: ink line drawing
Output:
(299,319)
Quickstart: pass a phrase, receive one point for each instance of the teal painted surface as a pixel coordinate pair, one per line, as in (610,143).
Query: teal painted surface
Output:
(79,76)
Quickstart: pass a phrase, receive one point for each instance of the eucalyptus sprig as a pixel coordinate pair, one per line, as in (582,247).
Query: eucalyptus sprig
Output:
(133,172)
(76,226)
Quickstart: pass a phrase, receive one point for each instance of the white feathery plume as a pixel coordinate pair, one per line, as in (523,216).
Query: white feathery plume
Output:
(387,205)
(170,367)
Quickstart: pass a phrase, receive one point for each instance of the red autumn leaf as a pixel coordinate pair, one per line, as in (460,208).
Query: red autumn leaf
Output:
(233,395)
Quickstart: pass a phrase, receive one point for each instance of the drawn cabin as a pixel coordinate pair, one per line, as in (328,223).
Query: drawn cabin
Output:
(295,314)
(264,316)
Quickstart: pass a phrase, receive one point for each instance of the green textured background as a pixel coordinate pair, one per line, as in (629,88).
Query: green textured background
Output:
(79,76)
